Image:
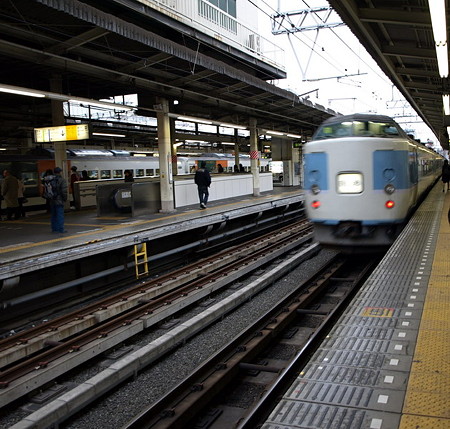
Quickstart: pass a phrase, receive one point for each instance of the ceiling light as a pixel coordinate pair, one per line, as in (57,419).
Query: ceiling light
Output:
(238,127)
(192,119)
(438,21)
(275,133)
(437,12)
(21,91)
(446,103)
(108,135)
(442,59)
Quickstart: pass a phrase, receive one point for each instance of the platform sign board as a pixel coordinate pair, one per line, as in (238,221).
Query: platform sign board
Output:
(60,134)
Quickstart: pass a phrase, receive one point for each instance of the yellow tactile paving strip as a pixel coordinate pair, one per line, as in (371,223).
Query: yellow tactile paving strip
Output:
(427,401)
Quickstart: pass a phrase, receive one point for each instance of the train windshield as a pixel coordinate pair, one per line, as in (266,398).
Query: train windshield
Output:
(372,128)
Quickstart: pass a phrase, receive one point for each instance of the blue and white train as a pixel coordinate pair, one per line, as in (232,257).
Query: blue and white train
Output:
(363,176)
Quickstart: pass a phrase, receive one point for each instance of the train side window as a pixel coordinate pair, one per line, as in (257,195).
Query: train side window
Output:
(139,172)
(105,174)
(117,174)
(93,174)
(150,172)
(157,172)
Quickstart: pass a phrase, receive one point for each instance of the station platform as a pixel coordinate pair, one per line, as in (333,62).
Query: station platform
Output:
(28,244)
(385,364)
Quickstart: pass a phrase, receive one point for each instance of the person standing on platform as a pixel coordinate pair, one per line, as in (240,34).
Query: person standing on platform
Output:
(10,193)
(20,198)
(74,177)
(57,200)
(445,175)
(129,176)
(48,172)
(202,179)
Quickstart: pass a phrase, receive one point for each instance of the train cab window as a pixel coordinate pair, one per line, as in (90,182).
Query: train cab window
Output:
(149,172)
(117,174)
(105,174)
(93,174)
(139,172)
(363,128)
(157,172)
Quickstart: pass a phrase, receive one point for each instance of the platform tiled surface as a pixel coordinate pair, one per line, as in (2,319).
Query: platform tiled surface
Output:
(360,376)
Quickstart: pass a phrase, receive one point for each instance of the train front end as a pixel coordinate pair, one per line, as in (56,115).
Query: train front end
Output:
(357,182)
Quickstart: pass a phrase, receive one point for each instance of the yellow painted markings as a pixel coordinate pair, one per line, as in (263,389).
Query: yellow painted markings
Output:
(108,228)
(427,396)
(377,312)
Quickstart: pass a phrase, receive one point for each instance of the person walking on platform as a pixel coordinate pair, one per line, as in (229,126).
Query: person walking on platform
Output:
(445,175)
(57,196)
(10,193)
(202,179)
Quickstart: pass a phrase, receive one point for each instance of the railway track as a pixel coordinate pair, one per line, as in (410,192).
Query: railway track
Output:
(208,397)
(34,358)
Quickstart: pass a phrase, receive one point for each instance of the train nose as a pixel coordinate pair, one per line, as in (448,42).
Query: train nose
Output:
(348,229)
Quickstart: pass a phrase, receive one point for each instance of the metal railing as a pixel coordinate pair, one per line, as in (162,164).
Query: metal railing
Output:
(213,21)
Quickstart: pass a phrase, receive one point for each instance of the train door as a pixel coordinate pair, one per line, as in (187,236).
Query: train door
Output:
(414,173)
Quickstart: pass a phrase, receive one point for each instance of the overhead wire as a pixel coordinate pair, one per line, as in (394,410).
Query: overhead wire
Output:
(332,62)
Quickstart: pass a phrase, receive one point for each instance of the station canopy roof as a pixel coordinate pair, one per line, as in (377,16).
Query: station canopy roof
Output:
(399,36)
(98,49)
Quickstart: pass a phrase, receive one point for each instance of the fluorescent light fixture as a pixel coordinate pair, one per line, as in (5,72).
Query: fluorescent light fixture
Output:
(11,89)
(179,144)
(442,59)
(446,103)
(21,91)
(192,119)
(295,136)
(437,12)
(228,144)
(108,135)
(276,133)
(238,127)
(438,21)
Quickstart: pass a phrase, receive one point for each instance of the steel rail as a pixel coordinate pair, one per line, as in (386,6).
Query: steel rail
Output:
(178,407)
(179,276)
(57,350)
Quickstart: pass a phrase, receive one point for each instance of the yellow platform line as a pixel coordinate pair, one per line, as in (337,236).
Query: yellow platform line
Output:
(427,400)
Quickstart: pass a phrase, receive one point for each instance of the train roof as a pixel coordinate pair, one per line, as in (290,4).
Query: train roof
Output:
(358,117)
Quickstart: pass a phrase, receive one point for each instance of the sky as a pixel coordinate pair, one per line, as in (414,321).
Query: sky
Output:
(334,70)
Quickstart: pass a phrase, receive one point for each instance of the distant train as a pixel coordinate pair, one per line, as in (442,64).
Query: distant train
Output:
(363,176)
(109,165)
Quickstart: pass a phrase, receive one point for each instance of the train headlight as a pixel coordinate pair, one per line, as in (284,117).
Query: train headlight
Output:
(350,183)
(315,189)
(389,189)
(315,204)
(389,204)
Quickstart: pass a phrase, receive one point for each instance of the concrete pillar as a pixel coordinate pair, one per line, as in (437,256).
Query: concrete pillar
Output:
(165,158)
(58,120)
(254,157)
(236,151)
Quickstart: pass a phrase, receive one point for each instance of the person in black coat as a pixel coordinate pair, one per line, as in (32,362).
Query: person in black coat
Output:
(203,181)
(445,175)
